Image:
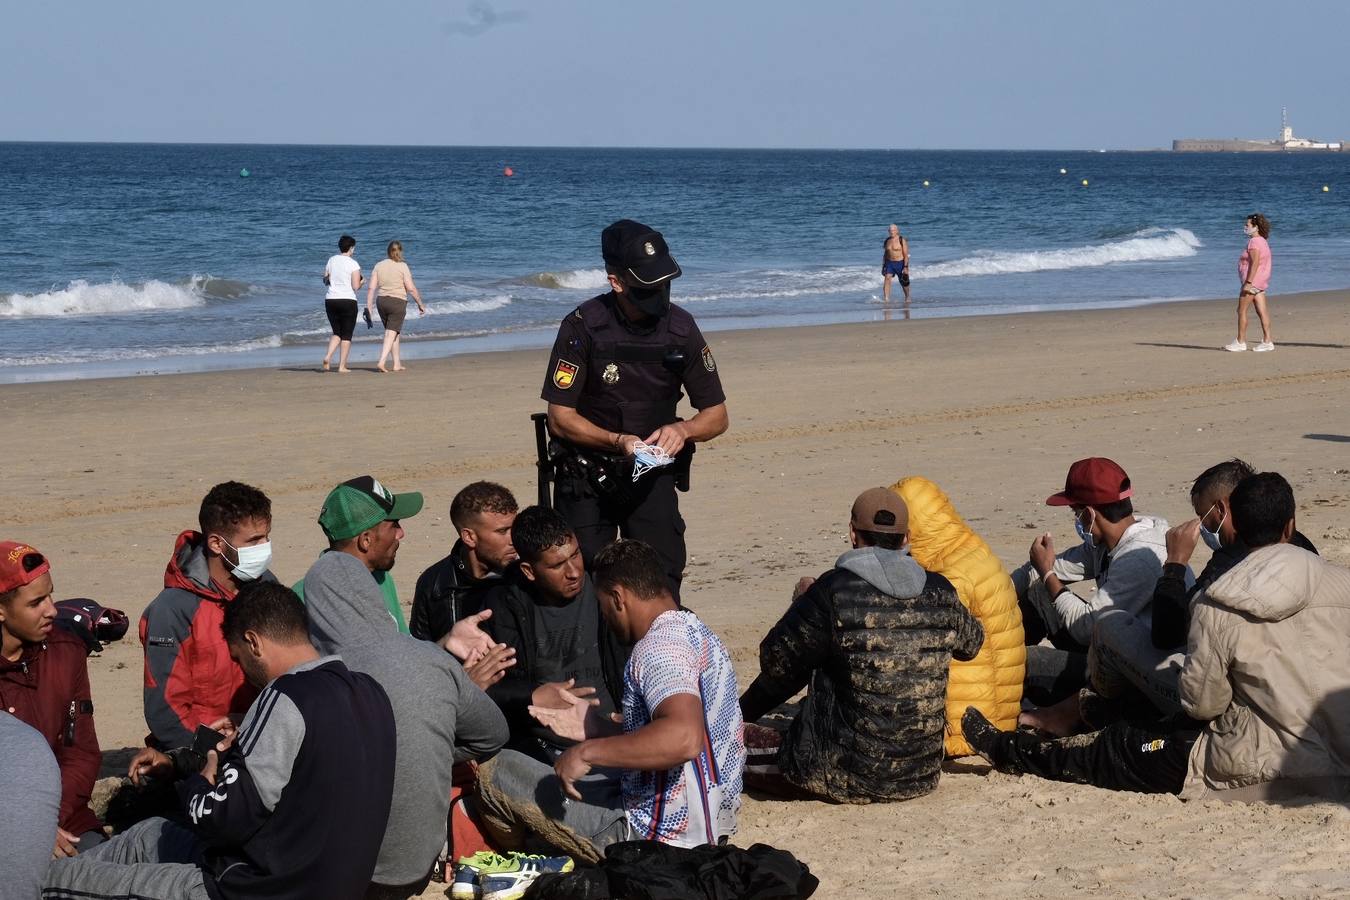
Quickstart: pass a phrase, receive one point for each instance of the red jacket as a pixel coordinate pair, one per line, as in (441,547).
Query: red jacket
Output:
(48,687)
(190,679)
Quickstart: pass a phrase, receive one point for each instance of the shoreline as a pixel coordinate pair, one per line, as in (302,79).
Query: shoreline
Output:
(300,356)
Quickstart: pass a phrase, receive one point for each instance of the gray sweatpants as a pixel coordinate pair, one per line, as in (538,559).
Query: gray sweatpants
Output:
(519,796)
(153,860)
(1123,657)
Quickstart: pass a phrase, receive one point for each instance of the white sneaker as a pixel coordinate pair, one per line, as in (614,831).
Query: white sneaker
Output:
(1236,347)
(1264,347)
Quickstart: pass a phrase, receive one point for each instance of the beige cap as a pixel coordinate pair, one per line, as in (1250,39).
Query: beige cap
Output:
(880,510)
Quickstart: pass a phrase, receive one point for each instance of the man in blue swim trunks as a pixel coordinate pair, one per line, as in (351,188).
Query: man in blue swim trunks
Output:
(895,262)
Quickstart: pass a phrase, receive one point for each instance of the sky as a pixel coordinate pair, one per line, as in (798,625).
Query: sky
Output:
(978,74)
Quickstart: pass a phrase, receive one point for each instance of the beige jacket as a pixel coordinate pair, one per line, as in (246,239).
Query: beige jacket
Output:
(1268,665)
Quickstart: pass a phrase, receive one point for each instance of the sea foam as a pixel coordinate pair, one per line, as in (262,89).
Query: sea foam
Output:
(1146,245)
(572,279)
(453,307)
(80,298)
(124,353)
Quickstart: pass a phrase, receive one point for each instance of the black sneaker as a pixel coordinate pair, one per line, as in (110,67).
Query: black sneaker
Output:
(980,734)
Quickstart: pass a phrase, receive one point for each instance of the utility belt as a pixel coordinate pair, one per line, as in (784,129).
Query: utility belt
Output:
(609,475)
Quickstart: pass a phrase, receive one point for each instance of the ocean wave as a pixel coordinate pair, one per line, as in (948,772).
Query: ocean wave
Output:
(219,288)
(453,307)
(1144,245)
(80,298)
(443,308)
(832,280)
(571,279)
(126,353)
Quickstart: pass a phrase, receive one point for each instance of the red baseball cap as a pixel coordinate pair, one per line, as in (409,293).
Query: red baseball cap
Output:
(20,565)
(1095,481)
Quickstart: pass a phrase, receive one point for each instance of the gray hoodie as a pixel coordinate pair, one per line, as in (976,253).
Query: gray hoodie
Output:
(442,717)
(894,574)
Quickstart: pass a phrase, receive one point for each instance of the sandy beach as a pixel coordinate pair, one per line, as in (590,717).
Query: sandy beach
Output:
(104,473)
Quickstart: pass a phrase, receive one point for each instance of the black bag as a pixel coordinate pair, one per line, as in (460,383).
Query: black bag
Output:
(649,870)
(91,622)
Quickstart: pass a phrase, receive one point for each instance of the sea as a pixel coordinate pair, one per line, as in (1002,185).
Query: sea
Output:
(123,259)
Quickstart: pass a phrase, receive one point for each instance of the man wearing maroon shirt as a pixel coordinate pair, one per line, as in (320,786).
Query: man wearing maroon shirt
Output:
(44,681)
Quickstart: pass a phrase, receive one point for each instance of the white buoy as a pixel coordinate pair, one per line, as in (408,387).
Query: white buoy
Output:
(925,184)
(1085,182)
(1064,171)
(1326,189)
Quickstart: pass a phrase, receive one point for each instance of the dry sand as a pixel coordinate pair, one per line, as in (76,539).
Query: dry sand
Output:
(103,474)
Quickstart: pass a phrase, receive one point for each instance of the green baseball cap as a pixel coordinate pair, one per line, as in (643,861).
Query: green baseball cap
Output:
(362,503)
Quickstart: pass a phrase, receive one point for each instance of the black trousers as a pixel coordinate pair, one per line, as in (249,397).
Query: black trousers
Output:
(651,515)
(1120,757)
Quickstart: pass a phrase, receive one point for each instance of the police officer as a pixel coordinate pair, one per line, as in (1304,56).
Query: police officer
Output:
(615,377)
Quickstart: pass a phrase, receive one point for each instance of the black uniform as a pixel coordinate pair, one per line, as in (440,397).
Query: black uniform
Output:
(627,379)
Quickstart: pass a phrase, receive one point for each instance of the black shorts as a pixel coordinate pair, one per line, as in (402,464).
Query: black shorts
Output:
(342,316)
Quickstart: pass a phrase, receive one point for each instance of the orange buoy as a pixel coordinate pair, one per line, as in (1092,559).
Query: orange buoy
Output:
(508,171)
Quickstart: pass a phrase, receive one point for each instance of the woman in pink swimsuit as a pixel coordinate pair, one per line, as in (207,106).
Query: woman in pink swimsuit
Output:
(1254,270)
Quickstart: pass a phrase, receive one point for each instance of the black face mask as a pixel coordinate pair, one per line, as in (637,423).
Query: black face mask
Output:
(653,302)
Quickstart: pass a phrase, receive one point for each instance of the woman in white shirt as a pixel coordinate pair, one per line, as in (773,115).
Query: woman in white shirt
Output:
(343,277)
(390,284)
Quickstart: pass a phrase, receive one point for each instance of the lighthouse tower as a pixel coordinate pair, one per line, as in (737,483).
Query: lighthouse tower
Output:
(1286,133)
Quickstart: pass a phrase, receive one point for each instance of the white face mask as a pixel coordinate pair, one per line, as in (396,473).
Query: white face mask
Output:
(1084,531)
(1249,230)
(253,560)
(1211,538)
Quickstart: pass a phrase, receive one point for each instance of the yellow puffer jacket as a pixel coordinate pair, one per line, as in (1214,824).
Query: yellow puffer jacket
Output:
(941,542)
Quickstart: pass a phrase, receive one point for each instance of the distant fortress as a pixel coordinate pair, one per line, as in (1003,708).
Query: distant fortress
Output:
(1286,141)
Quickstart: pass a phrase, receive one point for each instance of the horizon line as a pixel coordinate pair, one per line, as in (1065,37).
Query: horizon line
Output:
(429,146)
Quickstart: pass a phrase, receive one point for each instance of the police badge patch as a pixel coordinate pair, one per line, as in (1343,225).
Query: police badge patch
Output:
(708,362)
(610,375)
(565,374)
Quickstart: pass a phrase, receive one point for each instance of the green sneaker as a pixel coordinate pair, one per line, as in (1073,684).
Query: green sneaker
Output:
(469,869)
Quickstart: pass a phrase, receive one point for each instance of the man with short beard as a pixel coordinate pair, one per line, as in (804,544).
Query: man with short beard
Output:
(442,716)
(190,679)
(455,586)
(360,518)
(546,608)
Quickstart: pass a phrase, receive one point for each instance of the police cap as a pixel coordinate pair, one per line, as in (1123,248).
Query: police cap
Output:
(639,253)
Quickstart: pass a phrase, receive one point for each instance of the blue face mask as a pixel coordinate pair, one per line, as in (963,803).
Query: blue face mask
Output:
(1084,533)
(1211,538)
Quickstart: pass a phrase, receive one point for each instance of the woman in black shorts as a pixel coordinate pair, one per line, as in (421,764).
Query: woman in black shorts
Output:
(343,277)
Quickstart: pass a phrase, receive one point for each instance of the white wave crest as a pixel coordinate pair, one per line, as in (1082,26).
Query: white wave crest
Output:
(452,307)
(1149,245)
(833,280)
(124,353)
(572,279)
(80,298)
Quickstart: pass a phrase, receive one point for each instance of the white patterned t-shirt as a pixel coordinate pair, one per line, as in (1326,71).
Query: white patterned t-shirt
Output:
(698,802)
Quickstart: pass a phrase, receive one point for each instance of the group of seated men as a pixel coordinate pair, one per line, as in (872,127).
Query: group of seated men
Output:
(1233,685)
(598,710)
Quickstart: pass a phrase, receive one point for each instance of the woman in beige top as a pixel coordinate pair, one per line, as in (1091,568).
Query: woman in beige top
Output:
(390,284)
